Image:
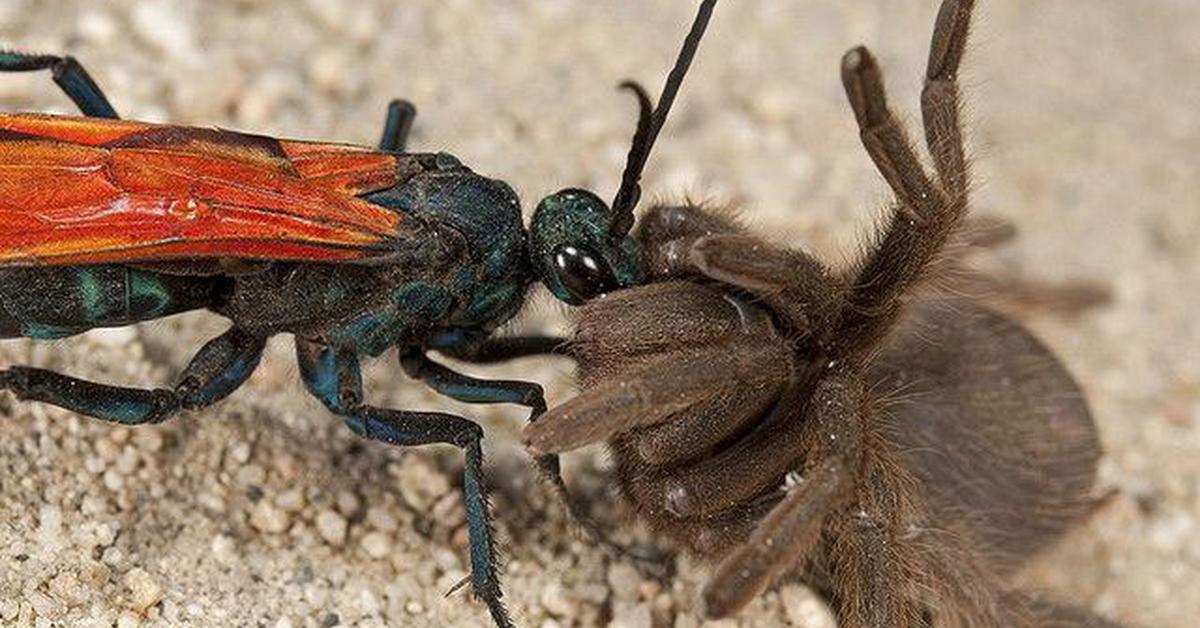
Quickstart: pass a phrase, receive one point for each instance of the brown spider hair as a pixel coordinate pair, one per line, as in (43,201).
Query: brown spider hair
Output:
(745,397)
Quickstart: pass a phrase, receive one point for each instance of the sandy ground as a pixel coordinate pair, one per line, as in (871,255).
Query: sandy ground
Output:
(264,511)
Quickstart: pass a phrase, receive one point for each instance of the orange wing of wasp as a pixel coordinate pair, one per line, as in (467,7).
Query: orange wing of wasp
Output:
(87,191)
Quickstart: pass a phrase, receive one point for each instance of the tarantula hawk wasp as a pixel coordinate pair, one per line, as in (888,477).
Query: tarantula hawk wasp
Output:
(106,222)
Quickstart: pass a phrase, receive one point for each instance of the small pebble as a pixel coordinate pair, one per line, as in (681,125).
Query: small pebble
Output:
(631,617)
(448,560)
(317,596)
(127,462)
(107,449)
(268,518)
(240,452)
(287,466)
(251,475)
(331,526)
(686,620)
(129,619)
(211,502)
(50,530)
(224,549)
(557,602)
(662,608)
(148,439)
(291,500)
(9,610)
(113,556)
(804,608)
(94,465)
(594,593)
(624,581)
(113,480)
(94,573)
(67,588)
(376,545)
(44,605)
(348,503)
(368,604)
(381,519)
(419,482)
(144,589)
(93,505)
(449,511)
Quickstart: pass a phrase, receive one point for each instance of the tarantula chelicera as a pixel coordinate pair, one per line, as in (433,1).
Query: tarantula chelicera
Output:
(904,453)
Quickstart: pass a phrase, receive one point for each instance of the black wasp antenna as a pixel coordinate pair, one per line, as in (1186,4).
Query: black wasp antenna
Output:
(650,122)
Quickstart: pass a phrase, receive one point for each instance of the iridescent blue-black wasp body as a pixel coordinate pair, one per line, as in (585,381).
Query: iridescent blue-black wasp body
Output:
(105,222)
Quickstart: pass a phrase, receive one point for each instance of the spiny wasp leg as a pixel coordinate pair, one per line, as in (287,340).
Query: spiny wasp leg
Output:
(468,389)
(219,368)
(503,349)
(75,81)
(335,379)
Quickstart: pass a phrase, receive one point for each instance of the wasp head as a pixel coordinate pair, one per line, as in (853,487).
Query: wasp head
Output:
(576,250)
(580,246)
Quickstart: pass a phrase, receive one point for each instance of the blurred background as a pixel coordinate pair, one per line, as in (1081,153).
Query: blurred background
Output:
(265,512)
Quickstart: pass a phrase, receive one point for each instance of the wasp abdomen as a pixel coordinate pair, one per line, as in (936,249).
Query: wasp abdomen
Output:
(60,301)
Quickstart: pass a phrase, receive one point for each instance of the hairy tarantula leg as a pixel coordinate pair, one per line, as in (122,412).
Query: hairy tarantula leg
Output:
(649,395)
(1013,293)
(724,480)
(831,442)
(781,539)
(939,98)
(916,232)
(825,424)
(886,141)
(793,285)
(985,231)
(704,425)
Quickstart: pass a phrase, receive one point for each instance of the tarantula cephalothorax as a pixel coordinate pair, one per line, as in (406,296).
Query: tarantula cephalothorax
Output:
(749,398)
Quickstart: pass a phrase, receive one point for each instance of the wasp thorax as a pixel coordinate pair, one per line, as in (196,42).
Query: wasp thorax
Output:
(574,250)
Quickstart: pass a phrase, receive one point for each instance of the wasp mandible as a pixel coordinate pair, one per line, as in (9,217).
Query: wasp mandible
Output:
(106,222)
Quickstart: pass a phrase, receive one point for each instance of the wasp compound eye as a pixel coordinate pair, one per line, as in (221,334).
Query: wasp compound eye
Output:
(583,273)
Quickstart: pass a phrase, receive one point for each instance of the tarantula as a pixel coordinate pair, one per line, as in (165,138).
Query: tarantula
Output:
(745,397)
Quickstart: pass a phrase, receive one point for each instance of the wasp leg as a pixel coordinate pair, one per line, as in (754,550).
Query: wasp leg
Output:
(468,389)
(75,81)
(471,390)
(504,349)
(335,379)
(219,368)
(399,121)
